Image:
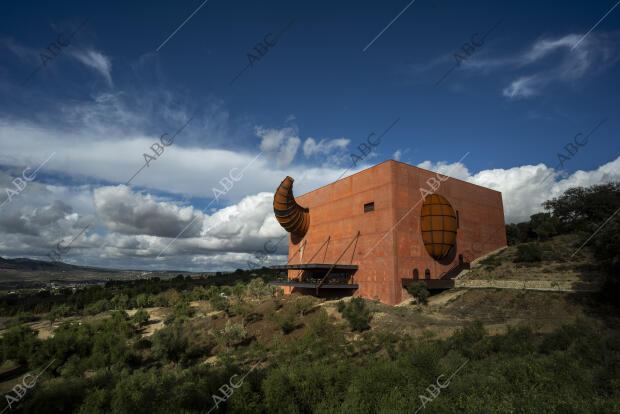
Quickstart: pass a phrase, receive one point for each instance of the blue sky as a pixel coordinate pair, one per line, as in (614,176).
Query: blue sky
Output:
(303,107)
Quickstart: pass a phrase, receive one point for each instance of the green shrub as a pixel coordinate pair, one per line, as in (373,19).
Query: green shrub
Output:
(182,312)
(242,309)
(469,340)
(303,304)
(606,249)
(19,319)
(143,343)
(529,252)
(258,288)
(169,343)
(183,309)
(419,291)
(119,301)
(319,325)
(232,333)
(286,322)
(340,306)
(97,307)
(58,312)
(199,293)
(357,314)
(493,260)
(514,234)
(18,344)
(220,303)
(544,225)
(213,292)
(238,290)
(141,317)
(144,301)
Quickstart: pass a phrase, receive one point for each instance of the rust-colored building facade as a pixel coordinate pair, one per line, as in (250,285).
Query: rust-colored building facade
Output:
(367,230)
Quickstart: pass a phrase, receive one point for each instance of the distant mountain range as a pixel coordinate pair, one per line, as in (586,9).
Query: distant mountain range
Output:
(29,273)
(24,264)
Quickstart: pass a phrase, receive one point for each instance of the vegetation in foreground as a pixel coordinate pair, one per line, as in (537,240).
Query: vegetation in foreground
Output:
(106,367)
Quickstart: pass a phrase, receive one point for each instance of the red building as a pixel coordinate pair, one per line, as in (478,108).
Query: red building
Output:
(374,232)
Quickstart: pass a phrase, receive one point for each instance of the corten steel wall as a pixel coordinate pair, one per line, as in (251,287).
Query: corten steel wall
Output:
(480,222)
(386,252)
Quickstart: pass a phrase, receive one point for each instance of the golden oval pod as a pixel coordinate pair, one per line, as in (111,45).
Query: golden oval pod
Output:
(438,226)
(293,217)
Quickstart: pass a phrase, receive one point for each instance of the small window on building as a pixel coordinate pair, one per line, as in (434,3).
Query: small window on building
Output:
(427,274)
(369,207)
(415,274)
(460,258)
(458,221)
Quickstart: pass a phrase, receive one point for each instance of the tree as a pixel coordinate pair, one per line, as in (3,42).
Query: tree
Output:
(258,288)
(144,301)
(58,312)
(242,309)
(303,304)
(513,234)
(141,317)
(199,293)
(169,343)
(319,325)
(286,322)
(357,314)
(231,334)
(220,303)
(97,307)
(606,248)
(238,290)
(120,301)
(182,311)
(577,207)
(213,291)
(529,252)
(419,291)
(544,225)
(109,349)
(19,343)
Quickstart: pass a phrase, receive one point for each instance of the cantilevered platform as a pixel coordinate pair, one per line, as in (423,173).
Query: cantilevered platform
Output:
(315,266)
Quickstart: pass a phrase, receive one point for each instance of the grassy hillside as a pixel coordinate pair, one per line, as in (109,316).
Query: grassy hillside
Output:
(522,351)
(555,264)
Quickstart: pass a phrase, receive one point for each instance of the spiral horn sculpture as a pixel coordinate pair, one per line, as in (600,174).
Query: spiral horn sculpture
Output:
(294,218)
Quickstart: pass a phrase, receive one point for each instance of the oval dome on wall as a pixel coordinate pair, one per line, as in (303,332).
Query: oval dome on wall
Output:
(438,225)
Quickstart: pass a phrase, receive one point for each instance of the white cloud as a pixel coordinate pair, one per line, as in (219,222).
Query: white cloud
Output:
(325,146)
(524,188)
(94,60)
(134,226)
(546,61)
(454,170)
(397,155)
(523,87)
(125,212)
(592,55)
(281,144)
(102,142)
